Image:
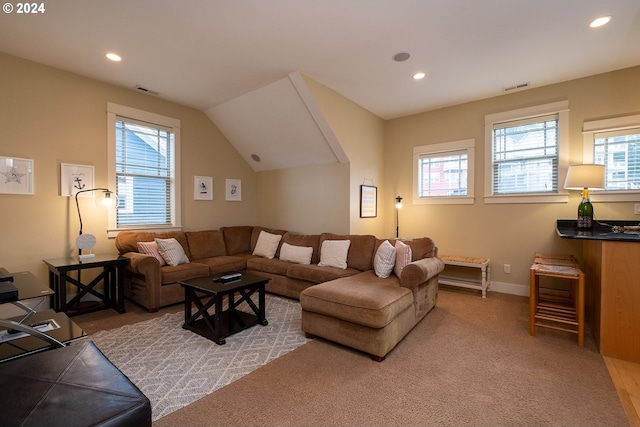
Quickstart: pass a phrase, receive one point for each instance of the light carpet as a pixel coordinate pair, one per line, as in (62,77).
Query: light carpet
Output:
(175,367)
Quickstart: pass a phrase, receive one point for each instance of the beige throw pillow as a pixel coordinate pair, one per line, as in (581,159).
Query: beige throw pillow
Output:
(172,251)
(333,253)
(297,254)
(385,260)
(267,244)
(151,248)
(403,257)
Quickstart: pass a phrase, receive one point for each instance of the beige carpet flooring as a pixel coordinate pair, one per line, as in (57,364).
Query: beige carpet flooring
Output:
(470,362)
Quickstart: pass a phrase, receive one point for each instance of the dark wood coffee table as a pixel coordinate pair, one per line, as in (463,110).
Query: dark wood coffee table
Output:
(223,322)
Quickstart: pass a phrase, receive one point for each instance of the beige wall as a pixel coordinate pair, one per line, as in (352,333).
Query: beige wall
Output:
(54,117)
(506,233)
(361,135)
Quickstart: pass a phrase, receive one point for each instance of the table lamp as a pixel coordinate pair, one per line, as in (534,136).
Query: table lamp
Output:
(584,177)
(88,241)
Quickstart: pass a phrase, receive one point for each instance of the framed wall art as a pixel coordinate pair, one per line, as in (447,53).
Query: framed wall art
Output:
(368,201)
(202,188)
(16,175)
(74,178)
(233,190)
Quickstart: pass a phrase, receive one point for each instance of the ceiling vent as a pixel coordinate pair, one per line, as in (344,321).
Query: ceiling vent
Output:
(145,90)
(515,87)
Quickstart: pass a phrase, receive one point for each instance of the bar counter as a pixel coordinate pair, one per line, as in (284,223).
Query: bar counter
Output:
(612,300)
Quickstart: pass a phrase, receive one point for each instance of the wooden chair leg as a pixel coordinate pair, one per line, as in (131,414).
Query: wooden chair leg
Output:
(533,301)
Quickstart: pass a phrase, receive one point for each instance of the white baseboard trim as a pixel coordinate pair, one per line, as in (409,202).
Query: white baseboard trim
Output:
(509,288)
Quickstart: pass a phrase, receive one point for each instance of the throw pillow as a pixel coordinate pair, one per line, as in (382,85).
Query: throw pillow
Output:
(403,257)
(385,260)
(267,244)
(172,251)
(297,254)
(151,248)
(333,253)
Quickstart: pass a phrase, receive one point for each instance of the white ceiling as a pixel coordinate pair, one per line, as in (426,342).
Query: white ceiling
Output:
(204,53)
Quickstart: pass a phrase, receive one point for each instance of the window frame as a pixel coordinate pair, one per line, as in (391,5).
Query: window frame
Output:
(561,108)
(443,148)
(590,129)
(113,112)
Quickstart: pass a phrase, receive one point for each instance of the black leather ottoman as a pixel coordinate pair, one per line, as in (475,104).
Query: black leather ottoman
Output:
(71,386)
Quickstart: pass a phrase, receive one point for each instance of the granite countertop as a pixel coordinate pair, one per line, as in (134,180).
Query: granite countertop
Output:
(601,230)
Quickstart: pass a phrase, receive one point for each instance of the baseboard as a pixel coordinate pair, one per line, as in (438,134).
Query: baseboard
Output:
(509,288)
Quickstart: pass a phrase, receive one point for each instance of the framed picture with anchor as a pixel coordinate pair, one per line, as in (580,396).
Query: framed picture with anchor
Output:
(74,178)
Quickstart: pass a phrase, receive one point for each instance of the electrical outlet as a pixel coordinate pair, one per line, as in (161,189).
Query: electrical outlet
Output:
(637,209)
(507,269)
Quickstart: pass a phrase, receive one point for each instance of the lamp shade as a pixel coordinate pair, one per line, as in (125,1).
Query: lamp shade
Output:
(585,176)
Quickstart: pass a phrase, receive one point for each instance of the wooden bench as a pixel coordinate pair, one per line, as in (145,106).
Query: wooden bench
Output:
(484,264)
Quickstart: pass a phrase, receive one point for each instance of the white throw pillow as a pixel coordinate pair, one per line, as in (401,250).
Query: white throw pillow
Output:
(385,260)
(403,257)
(333,253)
(172,251)
(151,248)
(297,254)
(267,244)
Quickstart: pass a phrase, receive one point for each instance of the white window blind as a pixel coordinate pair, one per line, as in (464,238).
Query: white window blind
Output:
(443,174)
(145,173)
(619,152)
(525,156)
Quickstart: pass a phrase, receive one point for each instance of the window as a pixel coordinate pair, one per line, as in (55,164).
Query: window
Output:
(143,169)
(615,143)
(526,152)
(443,173)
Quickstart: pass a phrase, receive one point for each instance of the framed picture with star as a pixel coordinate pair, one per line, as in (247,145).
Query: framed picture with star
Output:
(16,175)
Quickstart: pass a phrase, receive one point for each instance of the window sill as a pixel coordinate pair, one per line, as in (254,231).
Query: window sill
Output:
(448,200)
(527,198)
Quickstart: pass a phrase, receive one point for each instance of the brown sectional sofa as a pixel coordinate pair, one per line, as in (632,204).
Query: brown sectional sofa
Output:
(351,306)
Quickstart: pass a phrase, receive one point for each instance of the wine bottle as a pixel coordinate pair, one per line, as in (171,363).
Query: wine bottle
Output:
(585,211)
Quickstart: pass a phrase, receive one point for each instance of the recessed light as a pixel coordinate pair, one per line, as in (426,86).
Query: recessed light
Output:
(599,22)
(419,76)
(114,57)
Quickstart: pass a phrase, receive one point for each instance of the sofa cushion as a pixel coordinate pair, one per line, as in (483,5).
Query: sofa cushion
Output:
(297,254)
(224,264)
(173,274)
(205,244)
(385,259)
(317,274)
(305,240)
(422,247)
(151,248)
(266,265)
(333,253)
(172,252)
(403,257)
(237,239)
(360,251)
(267,244)
(364,299)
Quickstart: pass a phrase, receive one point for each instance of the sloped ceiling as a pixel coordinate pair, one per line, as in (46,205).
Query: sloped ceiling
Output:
(278,126)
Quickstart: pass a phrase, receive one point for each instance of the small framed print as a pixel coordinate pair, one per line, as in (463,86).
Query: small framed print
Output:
(233,190)
(16,175)
(202,188)
(368,201)
(74,178)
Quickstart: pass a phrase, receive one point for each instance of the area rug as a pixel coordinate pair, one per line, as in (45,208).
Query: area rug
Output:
(175,367)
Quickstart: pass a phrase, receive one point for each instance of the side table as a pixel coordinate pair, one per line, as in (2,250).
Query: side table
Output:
(111,276)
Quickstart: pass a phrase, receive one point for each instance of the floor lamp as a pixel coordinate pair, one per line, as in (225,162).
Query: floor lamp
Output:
(398,206)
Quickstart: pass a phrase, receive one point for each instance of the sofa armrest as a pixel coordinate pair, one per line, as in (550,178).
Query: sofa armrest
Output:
(142,263)
(420,271)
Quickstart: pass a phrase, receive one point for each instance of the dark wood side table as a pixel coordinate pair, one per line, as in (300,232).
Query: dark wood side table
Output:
(111,276)
(223,323)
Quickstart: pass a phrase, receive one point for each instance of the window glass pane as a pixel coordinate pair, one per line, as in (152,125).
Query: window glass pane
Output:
(525,156)
(144,174)
(619,152)
(443,175)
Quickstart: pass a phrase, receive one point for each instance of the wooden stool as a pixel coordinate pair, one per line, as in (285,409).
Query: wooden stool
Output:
(555,308)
